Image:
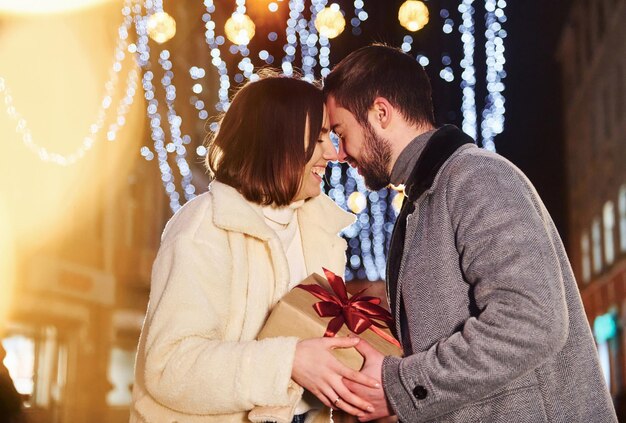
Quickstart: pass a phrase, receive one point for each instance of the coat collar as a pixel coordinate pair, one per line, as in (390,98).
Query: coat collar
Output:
(441,145)
(231,211)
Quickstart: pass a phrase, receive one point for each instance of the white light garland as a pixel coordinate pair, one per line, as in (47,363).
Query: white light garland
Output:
(105,105)
(493,114)
(154,117)
(296,7)
(360,16)
(468,76)
(177,145)
(369,236)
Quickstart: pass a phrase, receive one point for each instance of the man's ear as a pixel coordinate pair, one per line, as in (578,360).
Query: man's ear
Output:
(381,113)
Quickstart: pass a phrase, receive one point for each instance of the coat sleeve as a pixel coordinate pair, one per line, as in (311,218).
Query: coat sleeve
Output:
(189,367)
(508,253)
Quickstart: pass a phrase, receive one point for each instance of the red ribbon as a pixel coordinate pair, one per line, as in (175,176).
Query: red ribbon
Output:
(358,312)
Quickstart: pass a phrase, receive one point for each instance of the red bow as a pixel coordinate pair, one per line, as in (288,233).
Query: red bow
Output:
(358,312)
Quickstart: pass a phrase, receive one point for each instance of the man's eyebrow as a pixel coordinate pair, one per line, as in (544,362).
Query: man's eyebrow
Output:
(334,127)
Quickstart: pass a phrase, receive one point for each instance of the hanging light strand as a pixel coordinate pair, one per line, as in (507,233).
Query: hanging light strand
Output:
(468,76)
(296,7)
(178,141)
(110,86)
(493,113)
(217,61)
(154,117)
(360,16)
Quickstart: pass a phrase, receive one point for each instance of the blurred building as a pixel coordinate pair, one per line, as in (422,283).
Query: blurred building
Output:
(72,332)
(593,64)
(80,238)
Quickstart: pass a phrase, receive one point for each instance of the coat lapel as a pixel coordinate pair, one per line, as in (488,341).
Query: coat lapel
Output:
(320,221)
(441,145)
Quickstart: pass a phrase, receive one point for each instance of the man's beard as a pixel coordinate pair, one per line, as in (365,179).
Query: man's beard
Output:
(374,163)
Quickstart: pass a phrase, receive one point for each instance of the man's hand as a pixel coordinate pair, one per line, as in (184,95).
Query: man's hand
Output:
(375,396)
(317,370)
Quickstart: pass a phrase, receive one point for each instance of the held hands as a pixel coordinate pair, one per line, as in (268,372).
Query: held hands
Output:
(316,369)
(373,395)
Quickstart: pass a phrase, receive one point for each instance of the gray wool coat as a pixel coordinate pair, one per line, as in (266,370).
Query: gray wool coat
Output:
(486,304)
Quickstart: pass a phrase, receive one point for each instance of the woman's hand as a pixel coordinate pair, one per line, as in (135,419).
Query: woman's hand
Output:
(317,370)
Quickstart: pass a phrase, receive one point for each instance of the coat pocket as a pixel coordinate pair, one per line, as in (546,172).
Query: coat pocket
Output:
(518,405)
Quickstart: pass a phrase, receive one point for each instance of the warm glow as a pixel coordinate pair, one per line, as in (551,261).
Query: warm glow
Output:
(330,21)
(46,6)
(161,27)
(396,203)
(239,29)
(7,263)
(57,81)
(357,202)
(413,15)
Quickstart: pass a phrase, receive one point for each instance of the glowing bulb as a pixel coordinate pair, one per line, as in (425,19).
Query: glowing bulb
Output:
(239,29)
(330,22)
(357,202)
(413,15)
(161,27)
(396,203)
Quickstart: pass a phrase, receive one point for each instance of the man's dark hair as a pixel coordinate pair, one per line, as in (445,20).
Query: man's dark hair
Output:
(260,147)
(381,71)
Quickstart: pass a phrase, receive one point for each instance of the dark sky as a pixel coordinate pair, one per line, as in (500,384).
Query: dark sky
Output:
(533,137)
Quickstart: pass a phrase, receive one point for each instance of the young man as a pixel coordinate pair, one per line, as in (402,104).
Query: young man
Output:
(484,299)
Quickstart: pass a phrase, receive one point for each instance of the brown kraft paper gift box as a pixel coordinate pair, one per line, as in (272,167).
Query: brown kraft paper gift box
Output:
(295,315)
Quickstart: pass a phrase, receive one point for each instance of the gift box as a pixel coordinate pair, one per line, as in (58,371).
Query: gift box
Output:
(321,307)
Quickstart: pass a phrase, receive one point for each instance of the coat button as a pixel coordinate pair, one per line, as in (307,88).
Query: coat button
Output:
(420,392)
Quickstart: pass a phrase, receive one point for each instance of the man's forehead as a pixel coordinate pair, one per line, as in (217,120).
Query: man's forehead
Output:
(334,113)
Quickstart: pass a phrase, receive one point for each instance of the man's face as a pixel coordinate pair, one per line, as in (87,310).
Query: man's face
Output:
(360,146)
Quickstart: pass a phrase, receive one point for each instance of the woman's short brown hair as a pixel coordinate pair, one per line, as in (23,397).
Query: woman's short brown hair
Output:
(259,148)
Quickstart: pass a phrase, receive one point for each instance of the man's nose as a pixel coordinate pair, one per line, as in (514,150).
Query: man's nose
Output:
(342,156)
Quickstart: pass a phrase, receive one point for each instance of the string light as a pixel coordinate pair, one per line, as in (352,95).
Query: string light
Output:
(468,76)
(493,113)
(154,117)
(360,16)
(177,145)
(296,7)
(369,236)
(216,61)
(376,211)
(110,86)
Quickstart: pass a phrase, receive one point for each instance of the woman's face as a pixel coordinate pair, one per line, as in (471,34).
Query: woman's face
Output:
(316,167)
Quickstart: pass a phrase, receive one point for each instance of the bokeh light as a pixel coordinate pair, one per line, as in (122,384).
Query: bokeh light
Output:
(413,15)
(161,27)
(239,29)
(330,21)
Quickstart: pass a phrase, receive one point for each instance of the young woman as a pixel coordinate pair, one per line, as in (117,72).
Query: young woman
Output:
(228,256)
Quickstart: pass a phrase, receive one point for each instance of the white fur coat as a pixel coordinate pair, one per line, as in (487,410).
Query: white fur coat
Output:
(218,272)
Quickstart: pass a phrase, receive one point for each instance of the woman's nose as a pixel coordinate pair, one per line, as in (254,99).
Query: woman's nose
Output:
(330,153)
